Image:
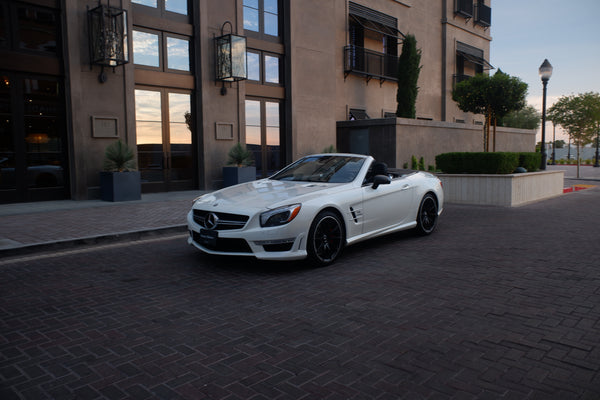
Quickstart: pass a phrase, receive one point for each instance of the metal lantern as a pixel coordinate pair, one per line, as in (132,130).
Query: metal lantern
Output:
(107,37)
(231,64)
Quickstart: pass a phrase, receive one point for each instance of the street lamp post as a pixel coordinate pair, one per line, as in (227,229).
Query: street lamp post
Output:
(545,72)
(553,143)
(596,164)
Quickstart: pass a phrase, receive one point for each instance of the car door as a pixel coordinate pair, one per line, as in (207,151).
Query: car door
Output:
(387,205)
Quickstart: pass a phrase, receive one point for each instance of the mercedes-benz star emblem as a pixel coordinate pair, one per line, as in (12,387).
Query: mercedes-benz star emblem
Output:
(211,221)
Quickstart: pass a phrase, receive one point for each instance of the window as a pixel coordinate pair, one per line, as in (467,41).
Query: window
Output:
(253,66)
(469,62)
(263,135)
(174,6)
(28,28)
(148,49)
(357,113)
(163,136)
(149,3)
(3,27)
(178,54)
(464,8)
(264,68)
(373,47)
(271,69)
(262,17)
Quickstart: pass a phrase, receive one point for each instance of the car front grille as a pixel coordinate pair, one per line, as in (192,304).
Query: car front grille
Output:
(226,245)
(225,222)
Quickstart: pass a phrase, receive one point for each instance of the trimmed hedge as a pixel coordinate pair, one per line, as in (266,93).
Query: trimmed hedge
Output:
(486,163)
(530,161)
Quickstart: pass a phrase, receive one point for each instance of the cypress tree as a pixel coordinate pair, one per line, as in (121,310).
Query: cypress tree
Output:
(408,76)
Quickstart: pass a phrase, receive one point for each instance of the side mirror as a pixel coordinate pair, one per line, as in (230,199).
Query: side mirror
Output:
(381,180)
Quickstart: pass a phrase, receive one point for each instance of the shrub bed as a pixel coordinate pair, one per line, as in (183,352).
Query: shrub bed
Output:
(486,163)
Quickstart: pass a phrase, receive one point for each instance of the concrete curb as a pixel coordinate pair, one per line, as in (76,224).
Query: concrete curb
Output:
(128,236)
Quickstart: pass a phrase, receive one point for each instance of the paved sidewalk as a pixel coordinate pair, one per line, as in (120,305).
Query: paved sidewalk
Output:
(26,227)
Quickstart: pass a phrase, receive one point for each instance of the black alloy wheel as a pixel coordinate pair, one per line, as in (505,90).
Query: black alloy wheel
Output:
(428,215)
(325,238)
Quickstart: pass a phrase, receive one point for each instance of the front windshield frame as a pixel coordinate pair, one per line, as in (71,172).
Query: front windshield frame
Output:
(335,168)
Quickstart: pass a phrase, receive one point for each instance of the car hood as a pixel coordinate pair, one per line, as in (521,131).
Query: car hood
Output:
(261,194)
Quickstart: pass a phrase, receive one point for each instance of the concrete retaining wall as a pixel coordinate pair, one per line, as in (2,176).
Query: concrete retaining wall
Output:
(502,190)
(395,140)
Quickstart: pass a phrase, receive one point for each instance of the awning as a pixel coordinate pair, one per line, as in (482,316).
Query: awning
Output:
(475,59)
(377,27)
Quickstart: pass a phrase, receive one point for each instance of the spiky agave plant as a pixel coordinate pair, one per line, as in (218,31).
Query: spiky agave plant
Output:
(119,157)
(239,155)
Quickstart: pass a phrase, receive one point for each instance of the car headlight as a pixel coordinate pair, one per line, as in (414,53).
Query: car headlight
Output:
(279,216)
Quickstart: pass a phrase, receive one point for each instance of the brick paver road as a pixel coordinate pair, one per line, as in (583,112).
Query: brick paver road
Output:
(498,303)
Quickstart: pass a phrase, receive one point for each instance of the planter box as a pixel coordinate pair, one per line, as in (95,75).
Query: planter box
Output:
(120,186)
(234,175)
(509,190)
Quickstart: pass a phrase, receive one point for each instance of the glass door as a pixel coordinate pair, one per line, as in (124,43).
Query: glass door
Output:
(164,140)
(263,135)
(33,161)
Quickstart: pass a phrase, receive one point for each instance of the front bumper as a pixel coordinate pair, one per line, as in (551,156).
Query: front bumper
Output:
(286,242)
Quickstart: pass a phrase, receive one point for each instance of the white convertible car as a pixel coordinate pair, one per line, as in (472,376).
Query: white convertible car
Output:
(313,208)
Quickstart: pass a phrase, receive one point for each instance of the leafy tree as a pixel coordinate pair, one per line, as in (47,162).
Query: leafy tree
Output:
(579,115)
(409,69)
(526,118)
(559,144)
(507,93)
(493,96)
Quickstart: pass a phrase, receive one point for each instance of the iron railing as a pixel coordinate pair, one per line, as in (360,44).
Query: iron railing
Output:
(483,15)
(464,8)
(369,63)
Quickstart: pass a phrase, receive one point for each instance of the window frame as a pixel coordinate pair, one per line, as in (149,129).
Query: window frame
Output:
(163,51)
(13,27)
(260,34)
(262,72)
(166,36)
(160,11)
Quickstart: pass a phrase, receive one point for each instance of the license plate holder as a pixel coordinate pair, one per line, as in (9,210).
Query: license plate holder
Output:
(208,238)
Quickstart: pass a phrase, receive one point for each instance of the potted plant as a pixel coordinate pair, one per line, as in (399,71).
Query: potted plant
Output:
(120,180)
(240,168)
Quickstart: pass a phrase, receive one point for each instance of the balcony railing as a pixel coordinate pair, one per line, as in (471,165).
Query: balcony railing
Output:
(369,63)
(464,8)
(483,15)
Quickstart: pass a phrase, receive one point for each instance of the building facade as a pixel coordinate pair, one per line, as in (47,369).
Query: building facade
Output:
(308,64)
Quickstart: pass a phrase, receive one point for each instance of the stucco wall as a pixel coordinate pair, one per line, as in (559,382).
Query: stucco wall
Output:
(89,98)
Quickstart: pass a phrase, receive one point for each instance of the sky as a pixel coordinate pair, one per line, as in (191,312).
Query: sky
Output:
(566,32)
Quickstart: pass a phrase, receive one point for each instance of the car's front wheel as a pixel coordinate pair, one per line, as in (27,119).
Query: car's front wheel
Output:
(325,238)
(428,215)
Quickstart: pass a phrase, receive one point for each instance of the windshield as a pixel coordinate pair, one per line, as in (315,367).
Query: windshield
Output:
(322,168)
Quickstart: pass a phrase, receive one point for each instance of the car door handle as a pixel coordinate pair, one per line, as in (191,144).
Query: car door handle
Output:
(405,187)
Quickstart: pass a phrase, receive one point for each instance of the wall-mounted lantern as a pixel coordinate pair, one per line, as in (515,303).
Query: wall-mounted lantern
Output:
(107,37)
(230,52)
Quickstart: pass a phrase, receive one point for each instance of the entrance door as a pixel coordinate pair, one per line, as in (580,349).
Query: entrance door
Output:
(263,135)
(164,140)
(33,149)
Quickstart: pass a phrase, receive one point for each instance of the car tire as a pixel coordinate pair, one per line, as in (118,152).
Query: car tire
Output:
(326,238)
(428,215)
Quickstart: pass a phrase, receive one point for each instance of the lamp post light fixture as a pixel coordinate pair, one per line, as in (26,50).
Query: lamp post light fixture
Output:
(231,57)
(107,37)
(545,72)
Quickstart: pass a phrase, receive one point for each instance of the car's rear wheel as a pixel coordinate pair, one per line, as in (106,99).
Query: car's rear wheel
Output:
(325,238)
(428,215)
